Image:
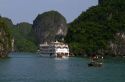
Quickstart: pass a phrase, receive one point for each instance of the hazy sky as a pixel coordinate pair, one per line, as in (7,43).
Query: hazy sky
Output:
(27,10)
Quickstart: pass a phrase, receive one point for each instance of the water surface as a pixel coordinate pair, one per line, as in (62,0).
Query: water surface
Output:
(27,67)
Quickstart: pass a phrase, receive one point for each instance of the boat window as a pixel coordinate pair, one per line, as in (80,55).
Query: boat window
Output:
(45,47)
(65,47)
(58,47)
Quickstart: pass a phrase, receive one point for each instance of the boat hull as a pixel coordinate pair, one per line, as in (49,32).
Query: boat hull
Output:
(95,64)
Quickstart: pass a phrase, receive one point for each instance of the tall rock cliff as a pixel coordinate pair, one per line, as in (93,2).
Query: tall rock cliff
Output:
(5,39)
(50,26)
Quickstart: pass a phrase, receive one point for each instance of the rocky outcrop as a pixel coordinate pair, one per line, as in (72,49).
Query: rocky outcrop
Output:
(5,39)
(50,26)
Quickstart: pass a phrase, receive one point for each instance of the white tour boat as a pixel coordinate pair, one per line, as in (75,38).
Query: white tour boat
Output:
(54,49)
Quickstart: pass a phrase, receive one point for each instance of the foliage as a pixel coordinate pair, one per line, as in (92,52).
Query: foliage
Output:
(93,30)
(23,35)
(25,40)
(28,46)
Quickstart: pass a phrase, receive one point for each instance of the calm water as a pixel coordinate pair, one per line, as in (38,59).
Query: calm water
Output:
(26,67)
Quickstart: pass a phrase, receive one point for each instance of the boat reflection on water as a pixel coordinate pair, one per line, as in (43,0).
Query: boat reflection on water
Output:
(62,58)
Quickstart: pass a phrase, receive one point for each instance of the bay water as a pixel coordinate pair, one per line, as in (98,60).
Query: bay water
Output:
(29,67)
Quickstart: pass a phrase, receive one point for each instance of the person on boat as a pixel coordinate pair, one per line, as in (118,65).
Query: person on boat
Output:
(94,57)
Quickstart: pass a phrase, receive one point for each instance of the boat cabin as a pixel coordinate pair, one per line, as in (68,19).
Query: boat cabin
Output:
(57,49)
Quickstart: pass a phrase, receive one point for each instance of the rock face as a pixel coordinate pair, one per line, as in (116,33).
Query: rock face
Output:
(50,26)
(5,40)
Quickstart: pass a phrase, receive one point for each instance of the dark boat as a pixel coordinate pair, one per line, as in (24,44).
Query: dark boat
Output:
(96,61)
(95,64)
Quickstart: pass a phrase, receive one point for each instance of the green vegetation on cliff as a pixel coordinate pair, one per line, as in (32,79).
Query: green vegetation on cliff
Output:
(23,35)
(100,29)
(5,39)
(25,40)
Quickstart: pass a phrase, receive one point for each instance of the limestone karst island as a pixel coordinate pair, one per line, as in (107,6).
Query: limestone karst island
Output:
(90,48)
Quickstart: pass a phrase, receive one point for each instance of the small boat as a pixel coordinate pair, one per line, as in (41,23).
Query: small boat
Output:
(95,64)
(96,61)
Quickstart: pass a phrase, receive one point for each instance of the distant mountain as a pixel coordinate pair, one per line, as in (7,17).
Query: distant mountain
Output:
(101,29)
(50,26)
(25,40)
(23,35)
